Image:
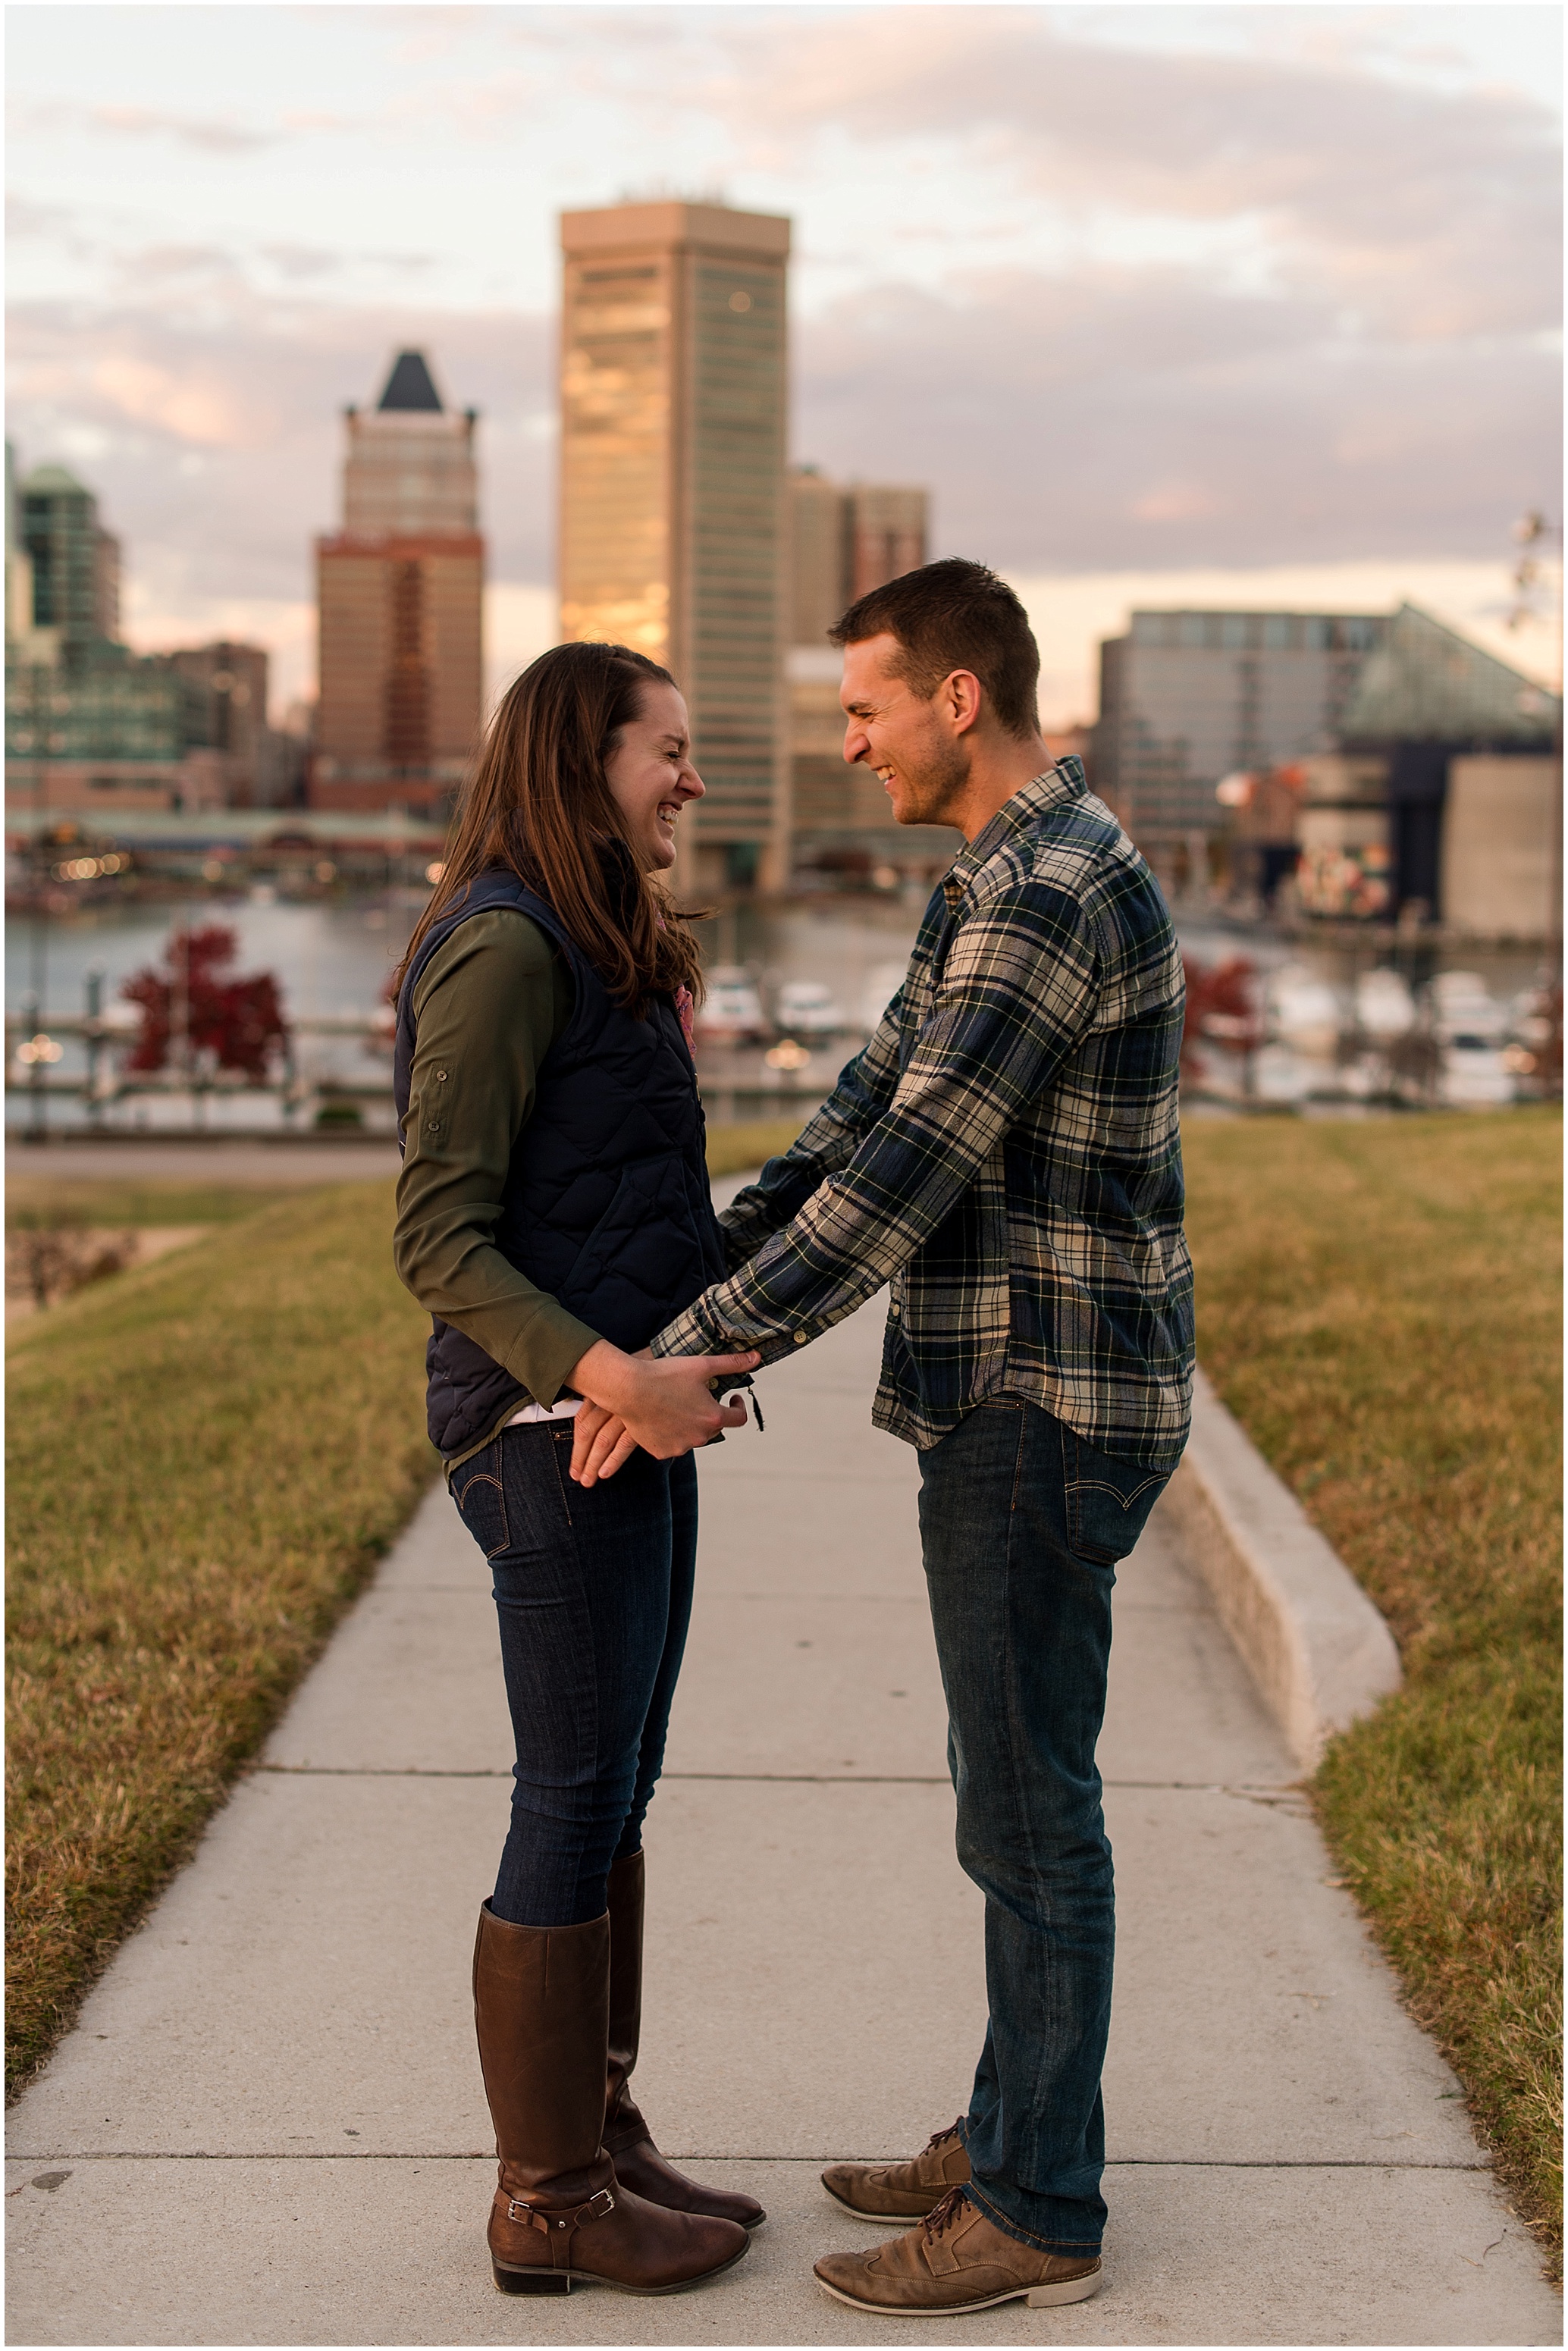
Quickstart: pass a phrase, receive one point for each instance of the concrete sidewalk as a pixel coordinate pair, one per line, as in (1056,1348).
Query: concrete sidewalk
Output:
(269,2127)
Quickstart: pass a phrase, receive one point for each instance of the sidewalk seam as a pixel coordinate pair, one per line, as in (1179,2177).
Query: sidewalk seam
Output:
(488,2154)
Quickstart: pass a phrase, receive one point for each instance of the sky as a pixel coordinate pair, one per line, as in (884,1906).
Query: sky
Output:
(1232,305)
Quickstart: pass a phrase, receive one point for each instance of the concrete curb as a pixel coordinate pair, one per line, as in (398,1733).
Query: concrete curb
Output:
(1319,1651)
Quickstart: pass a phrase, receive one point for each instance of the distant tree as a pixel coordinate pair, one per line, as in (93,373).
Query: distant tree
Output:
(1221,1006)
(197,995)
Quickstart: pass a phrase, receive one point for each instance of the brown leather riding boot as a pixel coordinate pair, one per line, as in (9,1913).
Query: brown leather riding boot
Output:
(638,2163)
(560,2218)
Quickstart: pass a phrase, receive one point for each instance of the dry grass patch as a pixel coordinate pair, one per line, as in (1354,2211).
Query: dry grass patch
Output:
(731,1150)
(205,1458)
(1378,1302)
(67,1200)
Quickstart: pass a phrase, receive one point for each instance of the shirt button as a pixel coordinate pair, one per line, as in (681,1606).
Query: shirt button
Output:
(441,1077)
(800,1338)
(892,1309)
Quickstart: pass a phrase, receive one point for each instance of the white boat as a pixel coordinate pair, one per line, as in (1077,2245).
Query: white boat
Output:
(1475,1075)
(1303,1012)
(732,1012)
(804,1007)
(1464,1011)
(1385,1007)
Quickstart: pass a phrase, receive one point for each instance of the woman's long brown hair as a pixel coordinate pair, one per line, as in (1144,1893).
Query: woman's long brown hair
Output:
(537,801)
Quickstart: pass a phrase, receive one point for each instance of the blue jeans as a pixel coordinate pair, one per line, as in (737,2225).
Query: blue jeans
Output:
(593,1591)
(1022,1524)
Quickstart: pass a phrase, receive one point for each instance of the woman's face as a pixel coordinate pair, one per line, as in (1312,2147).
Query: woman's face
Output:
(652,776)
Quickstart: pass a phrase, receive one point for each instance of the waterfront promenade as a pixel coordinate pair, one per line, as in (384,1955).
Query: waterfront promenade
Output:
(268,2125)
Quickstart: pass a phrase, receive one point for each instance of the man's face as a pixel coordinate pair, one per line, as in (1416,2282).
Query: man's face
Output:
(915,747)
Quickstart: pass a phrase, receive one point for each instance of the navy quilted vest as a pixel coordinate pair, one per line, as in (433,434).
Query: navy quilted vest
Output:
(606,1203)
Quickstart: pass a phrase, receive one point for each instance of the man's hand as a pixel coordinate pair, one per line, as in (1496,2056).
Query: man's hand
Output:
(662,1403)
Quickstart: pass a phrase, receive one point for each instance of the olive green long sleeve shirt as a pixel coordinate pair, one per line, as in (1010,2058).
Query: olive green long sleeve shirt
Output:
(487,1007)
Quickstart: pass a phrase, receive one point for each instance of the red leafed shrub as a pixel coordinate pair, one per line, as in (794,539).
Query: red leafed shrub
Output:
(240,1021)
(1220,1007)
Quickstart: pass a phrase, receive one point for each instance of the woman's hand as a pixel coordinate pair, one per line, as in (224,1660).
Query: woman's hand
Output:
(600,1443)
(662,1403)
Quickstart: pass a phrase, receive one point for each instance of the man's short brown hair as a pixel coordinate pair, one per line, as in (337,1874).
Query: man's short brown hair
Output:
(954,615)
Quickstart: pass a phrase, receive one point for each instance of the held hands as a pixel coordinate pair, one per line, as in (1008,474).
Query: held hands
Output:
(662,1404)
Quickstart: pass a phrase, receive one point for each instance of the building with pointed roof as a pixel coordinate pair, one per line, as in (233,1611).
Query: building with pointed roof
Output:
(1445,778)
(400,598)
(1426,684)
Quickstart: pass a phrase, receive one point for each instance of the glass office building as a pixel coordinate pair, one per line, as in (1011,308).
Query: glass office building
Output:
(1188,699)
(673,528)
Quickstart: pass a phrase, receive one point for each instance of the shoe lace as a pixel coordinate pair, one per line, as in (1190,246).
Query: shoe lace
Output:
(942,2216)
(940,2138)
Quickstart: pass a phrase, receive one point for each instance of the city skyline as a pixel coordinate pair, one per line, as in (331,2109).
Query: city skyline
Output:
(1183,305)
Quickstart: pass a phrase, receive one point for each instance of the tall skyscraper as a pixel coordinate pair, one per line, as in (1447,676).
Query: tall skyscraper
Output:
(400,593)
(673,528)
(91,729)
(846,539)
(73,564)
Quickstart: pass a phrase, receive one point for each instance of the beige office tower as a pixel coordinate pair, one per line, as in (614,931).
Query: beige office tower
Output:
(672,517)
(400,592)
(846,539)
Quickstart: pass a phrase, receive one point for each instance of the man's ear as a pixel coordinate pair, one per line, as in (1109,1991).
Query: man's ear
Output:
(962,698)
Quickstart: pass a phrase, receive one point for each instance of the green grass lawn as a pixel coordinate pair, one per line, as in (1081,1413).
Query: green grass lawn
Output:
(120,1201)
(733,1149)
(239,1432)
(1379,1304)
(205,1458)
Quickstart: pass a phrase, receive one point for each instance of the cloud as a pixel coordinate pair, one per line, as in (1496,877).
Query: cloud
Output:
(1425,212)
(211,136)
(1121,308)
(1141,418)
(220,425)
(214,138)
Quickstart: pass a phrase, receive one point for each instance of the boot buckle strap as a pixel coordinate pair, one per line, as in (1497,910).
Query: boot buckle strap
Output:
(597,2208)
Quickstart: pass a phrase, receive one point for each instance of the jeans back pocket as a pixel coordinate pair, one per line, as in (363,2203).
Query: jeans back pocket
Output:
(481,1498)
(1108,1501)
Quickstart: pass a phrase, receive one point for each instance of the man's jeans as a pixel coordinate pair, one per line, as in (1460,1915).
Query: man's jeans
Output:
(594,1593)
(1022,1523)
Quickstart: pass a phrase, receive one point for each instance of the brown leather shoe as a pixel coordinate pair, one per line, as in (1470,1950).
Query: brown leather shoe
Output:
(638,2163)
(955,2261)
(902,2191)
(560,2218)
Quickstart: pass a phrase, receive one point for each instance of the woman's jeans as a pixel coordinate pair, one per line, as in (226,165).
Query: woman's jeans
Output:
(1021,1523)
(593,1589)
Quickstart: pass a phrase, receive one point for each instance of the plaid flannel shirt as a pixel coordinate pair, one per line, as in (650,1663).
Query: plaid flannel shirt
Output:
(1004,1154)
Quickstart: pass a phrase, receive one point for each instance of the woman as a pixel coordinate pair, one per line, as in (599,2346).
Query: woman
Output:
(553,1214)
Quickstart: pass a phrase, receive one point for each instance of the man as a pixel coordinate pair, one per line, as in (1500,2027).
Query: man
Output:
(1004,1154)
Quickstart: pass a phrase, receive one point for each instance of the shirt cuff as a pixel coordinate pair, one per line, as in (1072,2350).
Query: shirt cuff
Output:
(707,1330)
(693,1332)
(546,1352)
